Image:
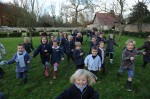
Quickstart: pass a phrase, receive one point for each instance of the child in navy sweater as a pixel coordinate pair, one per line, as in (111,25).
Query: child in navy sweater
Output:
(81,86)
(110,47)
(69,48)
(78,56)
(45,50)
(93,43)
(27,45)
(79,38)
(146,47)
(22,58)
(56,57)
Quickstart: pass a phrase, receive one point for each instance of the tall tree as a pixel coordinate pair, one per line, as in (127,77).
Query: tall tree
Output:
(139,11)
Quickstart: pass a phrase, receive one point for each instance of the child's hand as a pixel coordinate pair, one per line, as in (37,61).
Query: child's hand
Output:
(62,59)
(144,53)
(99,68)
(81,54)
(3,63)
(131,58)
(28,62)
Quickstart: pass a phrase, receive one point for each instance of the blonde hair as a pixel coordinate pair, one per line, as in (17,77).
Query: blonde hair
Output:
(27,39)
(130,41)
(77,44)
(90,76)
(69,36)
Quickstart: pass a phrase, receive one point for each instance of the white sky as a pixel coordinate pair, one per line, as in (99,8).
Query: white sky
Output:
(47,4)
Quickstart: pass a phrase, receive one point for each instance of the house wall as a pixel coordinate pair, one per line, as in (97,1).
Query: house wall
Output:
(134,28)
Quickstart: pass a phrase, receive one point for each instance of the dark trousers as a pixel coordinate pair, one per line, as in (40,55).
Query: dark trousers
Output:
(22,75)
(94,72)
(111,55)
(80,66)
(1,73)
(69,55)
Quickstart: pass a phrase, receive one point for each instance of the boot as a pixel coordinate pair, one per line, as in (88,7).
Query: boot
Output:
(111,61)
(54,77)
(128,85)
(47,72)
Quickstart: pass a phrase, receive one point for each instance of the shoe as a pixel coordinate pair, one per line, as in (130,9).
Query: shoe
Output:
(129,86)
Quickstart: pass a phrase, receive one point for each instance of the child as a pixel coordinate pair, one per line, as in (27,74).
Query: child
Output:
(69,48)
(101,53)
(110,47)
(101,37)
(27,45)
(22,58)
(52,38)
(81,86)
(93,61)
(45,50)
(93,43)
(61,40)
(128,59)
(78,56)
(56,57)
(4,52)
(79,38)
(146,46)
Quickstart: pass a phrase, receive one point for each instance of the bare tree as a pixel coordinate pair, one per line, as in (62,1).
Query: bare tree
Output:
(78,6)
(52,11)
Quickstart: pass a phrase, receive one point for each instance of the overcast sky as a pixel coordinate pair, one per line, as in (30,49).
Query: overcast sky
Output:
(47,3)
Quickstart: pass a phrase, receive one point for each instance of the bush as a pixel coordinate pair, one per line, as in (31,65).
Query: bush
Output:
(3,35)
(15,34)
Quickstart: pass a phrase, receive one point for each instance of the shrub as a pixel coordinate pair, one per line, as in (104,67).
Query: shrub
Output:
(34,34)
(15,34)
(3,35)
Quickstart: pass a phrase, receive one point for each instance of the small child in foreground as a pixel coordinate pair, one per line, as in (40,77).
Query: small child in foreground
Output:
(81,86)
(22,58)
(128,61)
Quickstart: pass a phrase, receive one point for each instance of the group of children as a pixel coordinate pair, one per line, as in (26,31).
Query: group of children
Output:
(52,52)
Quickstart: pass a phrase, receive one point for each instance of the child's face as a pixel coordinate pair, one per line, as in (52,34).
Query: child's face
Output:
(94,52)
(25,39)
(55,44)
(78,47)
(101,35)
(44,40)
(101,45)
(52,38)
(20,49)
(111,36)
(81,80)
(93,39)
(130,46)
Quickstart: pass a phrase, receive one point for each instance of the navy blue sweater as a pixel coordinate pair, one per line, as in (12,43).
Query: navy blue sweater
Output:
(74,93)
(57,54)
(79,39)
(78,60)
(45,56)
(69,46)
(110,45)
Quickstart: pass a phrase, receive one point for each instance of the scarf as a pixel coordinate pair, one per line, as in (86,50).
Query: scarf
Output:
(20,59)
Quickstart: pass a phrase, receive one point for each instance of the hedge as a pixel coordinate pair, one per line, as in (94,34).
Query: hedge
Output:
(15,34)
(3,35)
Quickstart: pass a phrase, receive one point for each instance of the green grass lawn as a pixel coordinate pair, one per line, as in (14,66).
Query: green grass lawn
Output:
(39,87)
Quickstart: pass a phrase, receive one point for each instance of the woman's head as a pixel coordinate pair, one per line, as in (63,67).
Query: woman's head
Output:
(82,77)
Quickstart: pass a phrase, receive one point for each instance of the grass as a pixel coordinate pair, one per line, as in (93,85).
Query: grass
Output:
(39,87)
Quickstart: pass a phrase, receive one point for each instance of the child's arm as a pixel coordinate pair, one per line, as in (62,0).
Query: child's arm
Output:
(116,44)
(62,54)
(99,64)
(36,52)
(13,60)
(32,47)
(28,58)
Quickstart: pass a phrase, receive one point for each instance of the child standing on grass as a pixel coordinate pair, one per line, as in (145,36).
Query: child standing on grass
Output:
(79,38)
(101,54)
(146,57)
(22,58)
(128,61)
(81,86)
(45,50)
(56,57)
(69,48)
(78,56)
(4,52)
(27,45)
(93,43)
(110,47)
(93,61)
